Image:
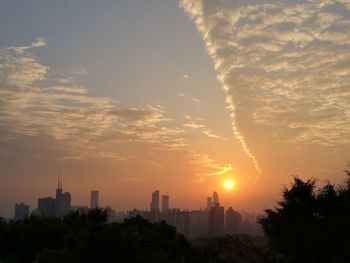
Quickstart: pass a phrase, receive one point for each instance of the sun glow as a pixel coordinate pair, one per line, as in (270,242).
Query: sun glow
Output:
(229,185)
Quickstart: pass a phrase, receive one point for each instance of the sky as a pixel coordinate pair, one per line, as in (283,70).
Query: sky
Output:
(128,97)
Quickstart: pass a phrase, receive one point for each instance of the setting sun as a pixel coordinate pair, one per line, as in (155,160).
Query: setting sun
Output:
(229,185)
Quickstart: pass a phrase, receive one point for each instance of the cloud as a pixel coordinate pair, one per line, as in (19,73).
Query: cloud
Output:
(19,67)
(186,76)
(60,115)
(206,166)
(196,100)
(285,68)
(197,124)
(66,112)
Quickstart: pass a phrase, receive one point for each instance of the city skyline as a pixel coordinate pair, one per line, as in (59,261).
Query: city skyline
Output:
(159,202)
(210,221)
(131,96)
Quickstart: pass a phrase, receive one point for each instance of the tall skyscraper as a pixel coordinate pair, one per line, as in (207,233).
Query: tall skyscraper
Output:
(155,201)
(216,218)
(215,198)
(209,203)
(63,200)
(94,199)
(233,222)
(165,203)
(21,211)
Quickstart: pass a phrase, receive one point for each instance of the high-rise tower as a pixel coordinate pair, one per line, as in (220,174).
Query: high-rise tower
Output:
(233,222)
(94,199)
(165,203)
(155,201)
(216,198)
(62,201)
(216,218)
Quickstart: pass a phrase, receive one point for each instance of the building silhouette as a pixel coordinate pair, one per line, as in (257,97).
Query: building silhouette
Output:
(46,206)
(94,199)
(154,215)
(165,203)
(209,203)
(216,218)
(21,211)
(234,222)
(155,201)
(215,199)
(199,223)
(58,206)
(180,220)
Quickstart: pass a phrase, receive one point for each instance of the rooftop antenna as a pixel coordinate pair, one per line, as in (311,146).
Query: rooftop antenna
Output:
(59,182)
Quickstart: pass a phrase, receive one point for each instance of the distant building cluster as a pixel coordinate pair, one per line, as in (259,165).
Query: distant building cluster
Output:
(209,222)
(55,207)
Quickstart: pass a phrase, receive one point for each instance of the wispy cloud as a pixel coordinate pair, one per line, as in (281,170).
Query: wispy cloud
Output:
(68,113)
(285,68)
(19,67)
(77,126)
(198,124)
(206,166)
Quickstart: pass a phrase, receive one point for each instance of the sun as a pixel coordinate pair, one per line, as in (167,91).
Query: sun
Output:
(229,184)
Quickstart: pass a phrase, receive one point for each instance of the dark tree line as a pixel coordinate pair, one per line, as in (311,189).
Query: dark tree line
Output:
(88,238)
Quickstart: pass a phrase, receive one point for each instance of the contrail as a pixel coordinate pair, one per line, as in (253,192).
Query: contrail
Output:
(194,8)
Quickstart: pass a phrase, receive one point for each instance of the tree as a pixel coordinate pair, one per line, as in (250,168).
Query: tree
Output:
(310,225)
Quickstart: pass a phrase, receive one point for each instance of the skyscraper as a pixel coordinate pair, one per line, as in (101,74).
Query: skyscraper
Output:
(155,201)
(21,211)
(165,203)
(94,199)
(209,203)
(216,218)
(233,222)
(215,198)
(63,200)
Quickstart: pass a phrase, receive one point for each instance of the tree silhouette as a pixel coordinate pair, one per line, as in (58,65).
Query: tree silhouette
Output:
(310,225)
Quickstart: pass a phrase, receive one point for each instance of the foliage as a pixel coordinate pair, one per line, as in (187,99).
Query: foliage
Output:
(310,225)
(232,249)
(86,237)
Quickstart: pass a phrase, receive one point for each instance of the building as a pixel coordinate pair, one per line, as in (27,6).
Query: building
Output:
(180,220)
(94,199)
(234,222)
(165,203)
(216,218)
(155,201)
(198,224)
(58,206)
(215,199)
(21,211)
(209,203)
(63,201)
(46,206)
(154,215)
